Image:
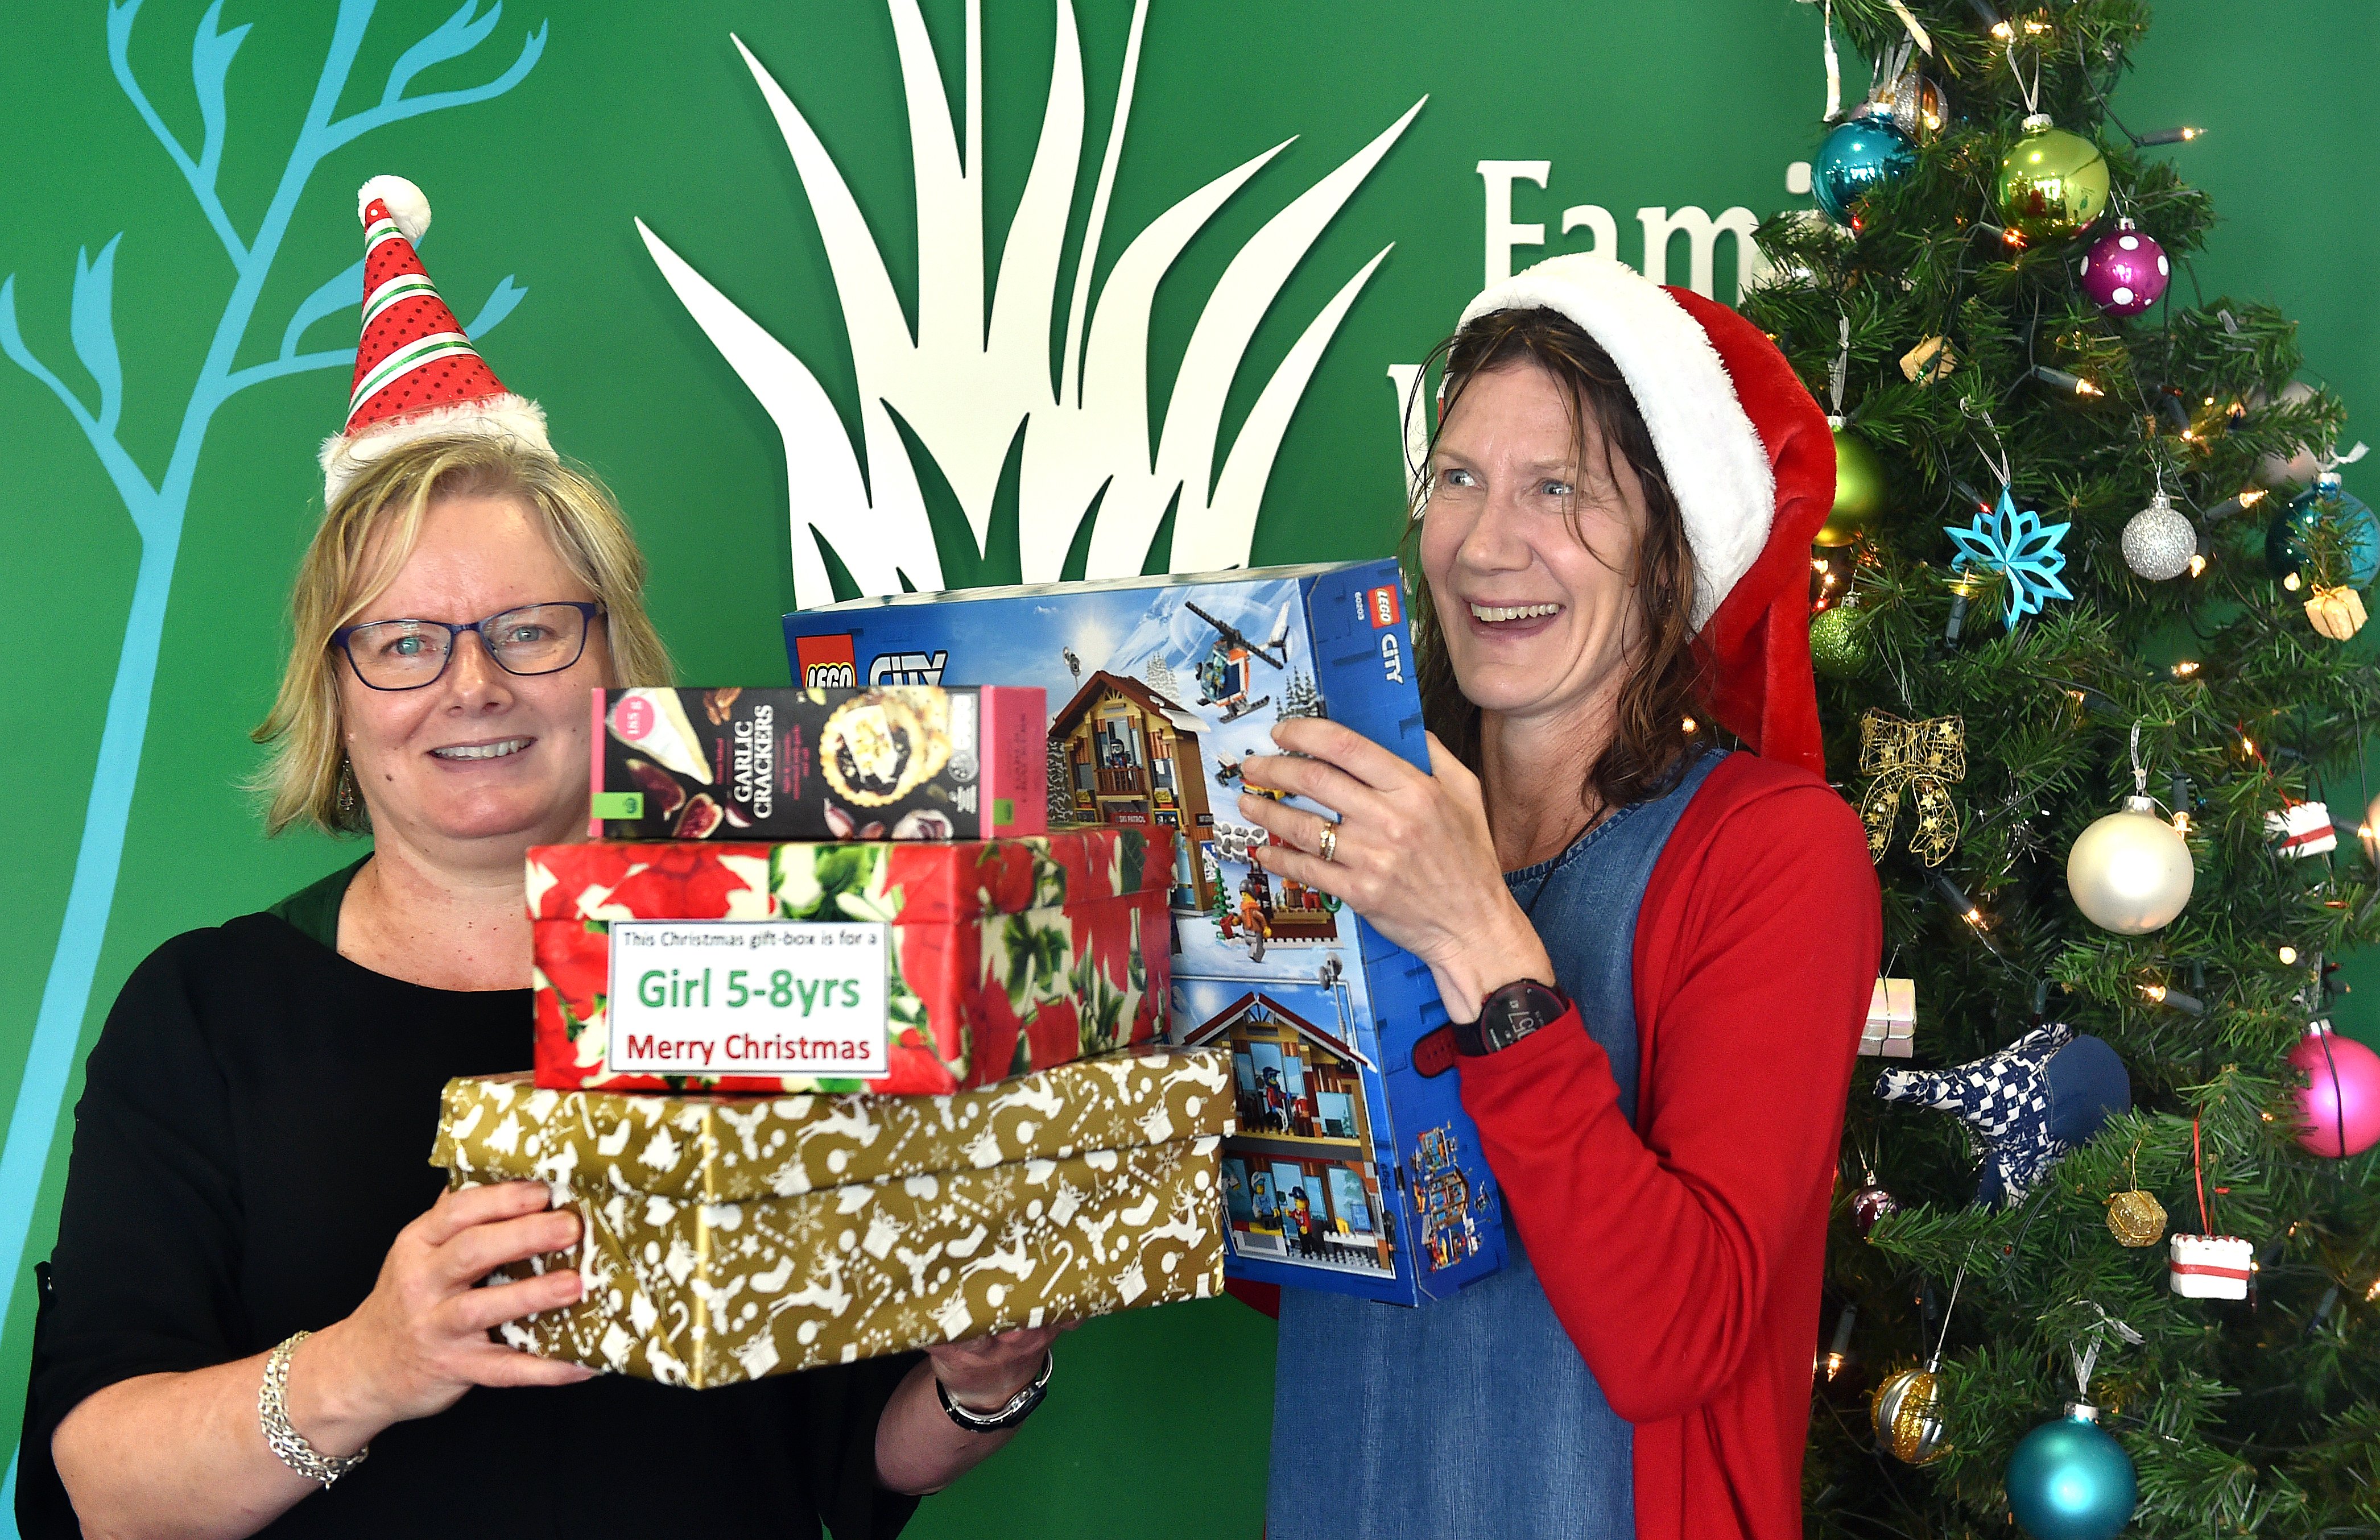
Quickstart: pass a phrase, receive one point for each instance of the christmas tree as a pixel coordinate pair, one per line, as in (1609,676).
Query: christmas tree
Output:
(1299,699)
(2085,572)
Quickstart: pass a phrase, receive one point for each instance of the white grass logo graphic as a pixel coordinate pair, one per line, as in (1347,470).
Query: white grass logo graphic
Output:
(965,389)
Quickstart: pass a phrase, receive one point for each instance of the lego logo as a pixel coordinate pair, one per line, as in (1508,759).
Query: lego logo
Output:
(1381,604)
(828,663)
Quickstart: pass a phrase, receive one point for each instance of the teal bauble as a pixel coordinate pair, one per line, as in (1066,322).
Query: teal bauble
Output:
(1857,157)
(2353,557)
(2068,1480)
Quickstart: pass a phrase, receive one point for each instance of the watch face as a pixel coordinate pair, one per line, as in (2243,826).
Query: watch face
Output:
(1517,1010)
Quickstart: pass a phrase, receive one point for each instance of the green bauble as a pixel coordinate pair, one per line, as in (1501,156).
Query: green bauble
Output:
(1859,489)
(1839,642)
(2052,184)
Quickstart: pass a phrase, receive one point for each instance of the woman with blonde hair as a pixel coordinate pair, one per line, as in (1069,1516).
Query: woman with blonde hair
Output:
(257,1279)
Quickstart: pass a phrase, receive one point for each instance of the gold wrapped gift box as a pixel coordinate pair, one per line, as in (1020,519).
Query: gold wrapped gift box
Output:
(730,1237)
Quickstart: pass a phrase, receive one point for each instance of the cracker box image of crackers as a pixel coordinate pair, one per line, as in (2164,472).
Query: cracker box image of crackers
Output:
(1158,687)
(902,762)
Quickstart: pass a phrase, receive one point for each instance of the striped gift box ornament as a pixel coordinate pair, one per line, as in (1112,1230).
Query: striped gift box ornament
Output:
(2302,829)
(2210,1266)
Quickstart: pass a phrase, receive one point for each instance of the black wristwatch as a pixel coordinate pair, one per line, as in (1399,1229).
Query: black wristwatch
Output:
(1020,1406)
(1509,1014)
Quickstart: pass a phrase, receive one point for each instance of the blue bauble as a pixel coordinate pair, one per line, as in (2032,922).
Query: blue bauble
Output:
(2288,545)
(2068,1480)
(1858,155)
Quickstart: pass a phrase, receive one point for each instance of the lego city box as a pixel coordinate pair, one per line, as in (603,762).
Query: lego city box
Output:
(903,762)
(920,967)
(730,1237)
(1159,686)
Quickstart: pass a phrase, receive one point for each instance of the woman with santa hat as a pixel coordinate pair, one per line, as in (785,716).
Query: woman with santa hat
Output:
(258,1280)
(1656,950)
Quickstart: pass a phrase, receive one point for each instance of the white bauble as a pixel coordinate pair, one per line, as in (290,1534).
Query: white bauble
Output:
(2131,872)
(2300,468)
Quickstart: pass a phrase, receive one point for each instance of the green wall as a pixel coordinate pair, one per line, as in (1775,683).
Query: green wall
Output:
(1157,1424)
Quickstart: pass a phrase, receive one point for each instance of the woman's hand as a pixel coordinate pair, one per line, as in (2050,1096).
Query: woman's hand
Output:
(985,1373)
(420,1338)
(918,1447)
(1413,854)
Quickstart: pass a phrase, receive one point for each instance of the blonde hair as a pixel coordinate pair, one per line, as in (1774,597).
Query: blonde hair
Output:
(368,534)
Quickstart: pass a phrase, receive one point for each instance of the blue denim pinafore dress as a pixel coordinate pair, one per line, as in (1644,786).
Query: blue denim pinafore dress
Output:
(1474,1415)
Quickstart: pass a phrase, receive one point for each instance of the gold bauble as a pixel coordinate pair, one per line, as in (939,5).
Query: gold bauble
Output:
(2136,1218)
(2052,183)
(1907,1413)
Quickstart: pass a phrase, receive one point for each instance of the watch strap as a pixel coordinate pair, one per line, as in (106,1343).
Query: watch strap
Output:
(1017,1408)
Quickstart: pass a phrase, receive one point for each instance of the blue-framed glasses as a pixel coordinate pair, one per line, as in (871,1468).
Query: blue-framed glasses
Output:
(408,654)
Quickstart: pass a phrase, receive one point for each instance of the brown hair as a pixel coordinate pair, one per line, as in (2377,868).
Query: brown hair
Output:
(343,572)
(1665,677)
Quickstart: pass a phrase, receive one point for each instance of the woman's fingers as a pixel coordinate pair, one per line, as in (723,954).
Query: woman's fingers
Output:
(1295,825)
(1337,743)
(459,1209)
(475,1311)
(506,1368)
(1336,878)
(1311,778)
(478,1251)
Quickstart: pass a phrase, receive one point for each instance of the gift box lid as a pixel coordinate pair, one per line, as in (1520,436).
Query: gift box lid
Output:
(732,1150)
(912,882)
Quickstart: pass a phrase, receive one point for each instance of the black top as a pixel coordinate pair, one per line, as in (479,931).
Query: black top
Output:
(255,1128)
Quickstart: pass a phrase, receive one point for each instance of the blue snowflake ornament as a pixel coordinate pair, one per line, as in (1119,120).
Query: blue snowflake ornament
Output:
(2015,543)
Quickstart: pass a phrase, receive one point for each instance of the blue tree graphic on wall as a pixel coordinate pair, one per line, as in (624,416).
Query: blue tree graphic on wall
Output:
(157,508)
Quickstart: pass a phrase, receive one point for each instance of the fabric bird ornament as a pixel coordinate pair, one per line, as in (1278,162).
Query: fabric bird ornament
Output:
(2031,1102)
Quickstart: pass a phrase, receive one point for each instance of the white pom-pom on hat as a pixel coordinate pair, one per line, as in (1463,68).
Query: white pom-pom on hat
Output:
(407,205)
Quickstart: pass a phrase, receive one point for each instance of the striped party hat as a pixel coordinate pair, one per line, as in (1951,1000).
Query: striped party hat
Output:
(417,373)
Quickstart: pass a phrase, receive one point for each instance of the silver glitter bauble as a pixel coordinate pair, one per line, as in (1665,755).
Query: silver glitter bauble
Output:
(2158,542)
(2131,872)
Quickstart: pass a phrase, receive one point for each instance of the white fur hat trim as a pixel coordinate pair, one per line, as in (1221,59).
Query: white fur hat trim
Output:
(496,417)
(407,205)
(1717,465)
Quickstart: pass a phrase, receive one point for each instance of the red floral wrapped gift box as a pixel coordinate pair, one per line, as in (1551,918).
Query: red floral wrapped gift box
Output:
(906,967)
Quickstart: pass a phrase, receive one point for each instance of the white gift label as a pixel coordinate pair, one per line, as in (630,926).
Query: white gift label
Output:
(748,997)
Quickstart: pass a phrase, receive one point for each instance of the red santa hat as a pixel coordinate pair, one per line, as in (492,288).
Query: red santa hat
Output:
(417,373)
(1751,461)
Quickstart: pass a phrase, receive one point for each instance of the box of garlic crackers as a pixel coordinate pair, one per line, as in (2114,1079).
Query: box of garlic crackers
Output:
(894,762)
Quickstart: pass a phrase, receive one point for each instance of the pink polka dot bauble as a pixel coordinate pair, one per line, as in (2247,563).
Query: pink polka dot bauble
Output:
(2126,272)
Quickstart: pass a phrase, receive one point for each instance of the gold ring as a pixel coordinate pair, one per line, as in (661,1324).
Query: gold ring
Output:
(1328,846)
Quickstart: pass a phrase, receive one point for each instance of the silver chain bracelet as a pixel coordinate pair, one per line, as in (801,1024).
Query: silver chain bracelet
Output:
(273,1411)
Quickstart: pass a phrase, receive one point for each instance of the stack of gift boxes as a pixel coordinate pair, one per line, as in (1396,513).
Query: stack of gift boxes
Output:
(840,1050)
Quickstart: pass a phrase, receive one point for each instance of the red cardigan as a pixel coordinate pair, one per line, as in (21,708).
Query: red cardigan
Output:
(1685,1261)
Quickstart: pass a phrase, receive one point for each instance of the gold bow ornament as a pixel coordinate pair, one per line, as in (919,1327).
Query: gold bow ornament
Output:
(1923,756)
